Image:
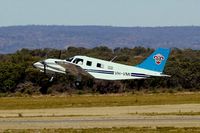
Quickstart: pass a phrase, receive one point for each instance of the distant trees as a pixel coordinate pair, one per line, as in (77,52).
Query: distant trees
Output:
(18,76)
(47,36)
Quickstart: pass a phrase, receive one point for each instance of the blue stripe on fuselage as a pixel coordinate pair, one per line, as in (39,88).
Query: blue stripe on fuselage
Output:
(112,72)
(99,71)
(139,75)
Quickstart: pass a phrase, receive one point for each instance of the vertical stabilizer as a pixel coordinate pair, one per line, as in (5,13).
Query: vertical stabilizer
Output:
(156,61)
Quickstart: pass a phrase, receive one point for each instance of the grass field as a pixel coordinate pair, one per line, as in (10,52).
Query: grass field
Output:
(38,102)
(115,130)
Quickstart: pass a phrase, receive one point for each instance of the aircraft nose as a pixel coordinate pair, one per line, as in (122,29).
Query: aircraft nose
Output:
(37,64)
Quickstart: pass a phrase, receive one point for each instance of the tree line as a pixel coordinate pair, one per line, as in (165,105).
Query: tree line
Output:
(17,75)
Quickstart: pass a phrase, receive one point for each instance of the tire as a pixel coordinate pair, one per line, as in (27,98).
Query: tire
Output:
(77,83)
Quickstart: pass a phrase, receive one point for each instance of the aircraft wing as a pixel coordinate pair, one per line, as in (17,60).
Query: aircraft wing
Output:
(73,68)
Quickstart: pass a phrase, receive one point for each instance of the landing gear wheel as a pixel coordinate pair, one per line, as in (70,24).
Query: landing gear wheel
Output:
(77,83)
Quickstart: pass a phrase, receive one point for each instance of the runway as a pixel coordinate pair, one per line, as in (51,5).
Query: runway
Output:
(102,117)
(100,122)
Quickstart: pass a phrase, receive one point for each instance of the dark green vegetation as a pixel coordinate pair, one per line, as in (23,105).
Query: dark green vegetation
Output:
(111,130)
(39,102)
(14,38)
(17,76)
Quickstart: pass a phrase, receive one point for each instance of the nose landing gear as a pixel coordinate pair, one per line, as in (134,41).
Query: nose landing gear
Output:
(51,79)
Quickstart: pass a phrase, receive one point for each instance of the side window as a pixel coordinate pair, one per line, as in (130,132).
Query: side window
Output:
(89,63)
(100,65)
(78,61)
(110,67)
(74,61)
(70,59)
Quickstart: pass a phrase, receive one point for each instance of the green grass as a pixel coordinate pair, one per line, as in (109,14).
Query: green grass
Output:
(37,102)
(110,130)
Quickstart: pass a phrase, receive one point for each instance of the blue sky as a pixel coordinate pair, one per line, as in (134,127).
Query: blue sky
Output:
(100,12)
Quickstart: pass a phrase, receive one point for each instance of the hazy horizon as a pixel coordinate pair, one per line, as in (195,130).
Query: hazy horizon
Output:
(102,26)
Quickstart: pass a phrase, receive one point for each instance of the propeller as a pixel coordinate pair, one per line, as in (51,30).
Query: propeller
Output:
(45,65)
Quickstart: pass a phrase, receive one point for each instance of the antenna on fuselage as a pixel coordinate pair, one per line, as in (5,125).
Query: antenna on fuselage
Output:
(113,59)
(59,55)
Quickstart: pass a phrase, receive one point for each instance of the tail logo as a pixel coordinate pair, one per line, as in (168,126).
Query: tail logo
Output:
(158,58)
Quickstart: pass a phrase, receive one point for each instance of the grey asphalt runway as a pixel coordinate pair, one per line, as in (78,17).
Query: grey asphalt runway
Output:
(100,122)
(102,117)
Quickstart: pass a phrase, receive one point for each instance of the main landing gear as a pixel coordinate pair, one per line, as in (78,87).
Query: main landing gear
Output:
(78,82)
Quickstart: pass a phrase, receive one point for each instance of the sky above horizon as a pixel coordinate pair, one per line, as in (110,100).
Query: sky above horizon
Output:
(125,13)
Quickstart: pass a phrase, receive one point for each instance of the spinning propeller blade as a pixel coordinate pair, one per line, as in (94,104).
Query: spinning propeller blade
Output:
(45,65)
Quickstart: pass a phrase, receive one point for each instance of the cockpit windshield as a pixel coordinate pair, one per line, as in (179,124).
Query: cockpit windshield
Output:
(70,59)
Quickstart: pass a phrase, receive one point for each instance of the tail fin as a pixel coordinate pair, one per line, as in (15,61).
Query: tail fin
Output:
(156,61)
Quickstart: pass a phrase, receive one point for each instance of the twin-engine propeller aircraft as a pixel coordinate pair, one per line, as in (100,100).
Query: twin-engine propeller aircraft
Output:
(107,70)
